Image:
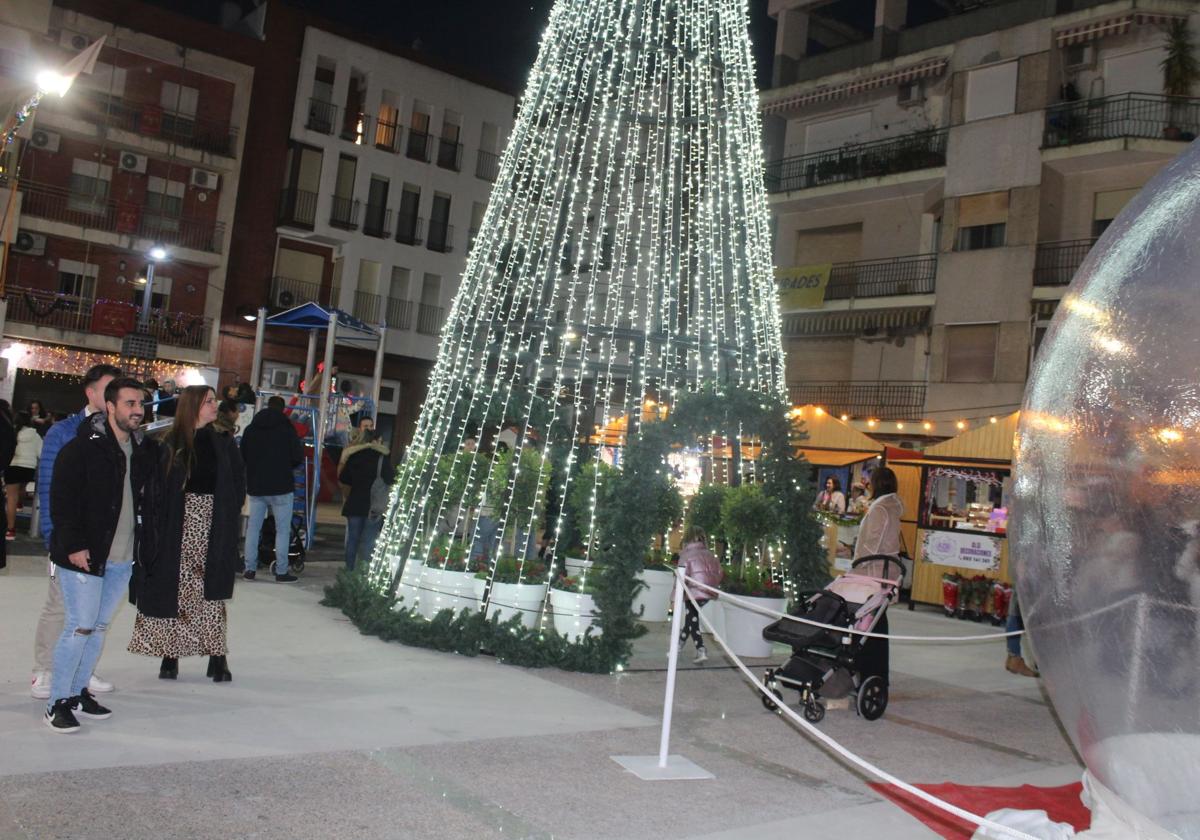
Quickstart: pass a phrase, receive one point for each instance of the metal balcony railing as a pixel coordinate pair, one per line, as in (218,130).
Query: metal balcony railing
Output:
(895,400)
(1148,115)
(150,119)
(399,314)
(59,204)
(449,154)
(44,308)
(378,221)
(366,307)
(1057,262)
(322,116)
(297,208)
(919,150)
(913,275)
(409,229)
(440,238)
(429,319)
(343,213)
(418,145)
(387,135)
(287,292)
(487,166)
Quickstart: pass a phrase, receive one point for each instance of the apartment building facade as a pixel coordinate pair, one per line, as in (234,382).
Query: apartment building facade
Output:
(945,174)
(144,151)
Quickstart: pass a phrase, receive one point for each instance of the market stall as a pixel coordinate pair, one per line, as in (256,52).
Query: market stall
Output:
(955,497)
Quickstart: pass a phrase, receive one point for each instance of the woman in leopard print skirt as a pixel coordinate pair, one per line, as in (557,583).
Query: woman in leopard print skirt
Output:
(181,596)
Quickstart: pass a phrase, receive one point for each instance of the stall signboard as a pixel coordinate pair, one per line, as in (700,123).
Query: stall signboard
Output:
(965,550)
(803,286)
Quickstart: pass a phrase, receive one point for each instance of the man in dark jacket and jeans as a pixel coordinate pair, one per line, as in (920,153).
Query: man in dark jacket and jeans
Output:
(272,451)
(100,499)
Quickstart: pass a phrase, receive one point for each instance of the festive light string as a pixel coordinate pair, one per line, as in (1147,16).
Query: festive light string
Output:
(630,199)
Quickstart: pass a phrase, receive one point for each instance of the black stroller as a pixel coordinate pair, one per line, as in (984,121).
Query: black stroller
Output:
(830,664)
(296,550)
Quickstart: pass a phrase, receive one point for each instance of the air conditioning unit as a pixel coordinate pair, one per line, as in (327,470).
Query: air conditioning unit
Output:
(282,378)
(133,163)
(1079,57)
(205,180)
(76,41)
(29,243)
(285,299)
(45,140)
(911,93)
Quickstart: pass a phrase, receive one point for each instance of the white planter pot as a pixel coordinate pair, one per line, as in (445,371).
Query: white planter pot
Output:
(523,599)
(574,613)
(577,566)
(442,590)
(743,627)
(479,587)
(409,590)
(652,602)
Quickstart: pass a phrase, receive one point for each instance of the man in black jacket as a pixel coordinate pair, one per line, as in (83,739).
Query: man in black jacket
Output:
(100,498)
(272,451)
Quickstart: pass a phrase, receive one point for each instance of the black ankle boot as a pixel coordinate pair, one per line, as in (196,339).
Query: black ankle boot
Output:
(169,669)
(218,669)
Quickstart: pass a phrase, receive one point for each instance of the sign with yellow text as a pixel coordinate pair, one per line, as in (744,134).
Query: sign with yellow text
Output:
(803,286)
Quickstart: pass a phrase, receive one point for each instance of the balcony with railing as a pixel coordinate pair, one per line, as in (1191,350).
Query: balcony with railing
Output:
(909,153)
(429,319)
(449,154)
(399,314)
(1056,262)
(297,208)
(441,237)
(487,166)
(287,292)
(387,135)
(366,307)
(1150,116)
(343,213)
(418,145)
(912,275)
(893,399)
(58,204)
(378,221)
(42,308)
(150,119)
(322,116)
(409,229)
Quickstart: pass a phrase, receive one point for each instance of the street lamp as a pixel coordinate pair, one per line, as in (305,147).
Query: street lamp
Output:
(156,254)
(53,81)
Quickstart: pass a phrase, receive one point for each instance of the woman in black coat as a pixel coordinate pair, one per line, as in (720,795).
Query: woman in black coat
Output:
(181,597)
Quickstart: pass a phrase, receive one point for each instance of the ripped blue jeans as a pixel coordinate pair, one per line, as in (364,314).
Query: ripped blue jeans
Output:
(89,603)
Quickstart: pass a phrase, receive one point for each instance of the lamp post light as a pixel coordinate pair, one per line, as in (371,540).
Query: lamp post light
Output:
(156,254)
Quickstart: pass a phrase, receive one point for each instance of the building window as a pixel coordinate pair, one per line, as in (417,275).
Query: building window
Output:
(88,186)
(982,220)
(991,91)
(1107,206)
(164,205)
(971,352)
(179,104)
(160,295)
(980,236)
(77,278)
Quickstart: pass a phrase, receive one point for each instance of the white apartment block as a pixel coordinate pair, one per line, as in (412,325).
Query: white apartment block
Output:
(954,169)
(390,167)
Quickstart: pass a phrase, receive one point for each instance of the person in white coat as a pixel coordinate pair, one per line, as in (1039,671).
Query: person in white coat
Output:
(879,533)
(22,469)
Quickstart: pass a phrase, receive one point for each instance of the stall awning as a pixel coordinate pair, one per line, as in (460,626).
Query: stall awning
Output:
(991,442)
(312,316)
(1112,25)
(853,322)
(834,457)
(893,76)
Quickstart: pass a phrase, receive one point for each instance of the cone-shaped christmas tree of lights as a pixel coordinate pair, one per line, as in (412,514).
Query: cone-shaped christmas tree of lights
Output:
(623,259)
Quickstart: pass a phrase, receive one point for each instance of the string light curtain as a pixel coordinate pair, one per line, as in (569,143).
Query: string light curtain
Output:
(624,257)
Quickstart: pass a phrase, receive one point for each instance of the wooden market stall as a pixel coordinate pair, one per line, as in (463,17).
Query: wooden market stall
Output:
(955,497)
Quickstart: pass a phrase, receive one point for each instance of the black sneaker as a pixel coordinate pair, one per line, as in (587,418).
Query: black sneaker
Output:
(85,704)
(288,578)
(60,718)
(251,575)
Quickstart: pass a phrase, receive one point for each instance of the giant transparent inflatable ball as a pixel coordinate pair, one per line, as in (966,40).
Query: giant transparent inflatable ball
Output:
(1106,522)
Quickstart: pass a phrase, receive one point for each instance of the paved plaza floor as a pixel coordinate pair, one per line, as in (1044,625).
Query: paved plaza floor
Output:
(327,733)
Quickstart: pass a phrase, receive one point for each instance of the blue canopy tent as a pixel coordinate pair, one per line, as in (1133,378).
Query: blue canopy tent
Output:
(341,327)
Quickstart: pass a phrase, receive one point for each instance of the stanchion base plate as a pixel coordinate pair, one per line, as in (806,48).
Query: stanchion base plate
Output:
(646,767)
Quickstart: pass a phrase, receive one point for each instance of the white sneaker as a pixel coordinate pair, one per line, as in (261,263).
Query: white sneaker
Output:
(701,656)
(99,686)
(40,687)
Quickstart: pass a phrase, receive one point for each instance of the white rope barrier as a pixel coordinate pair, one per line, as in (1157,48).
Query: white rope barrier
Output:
(746,605)
(807,727)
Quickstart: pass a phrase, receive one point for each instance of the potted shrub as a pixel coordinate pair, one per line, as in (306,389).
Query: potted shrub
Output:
(573,606)
(1180,71)
(517,588)
(653,599)
(445,582)
(525,496)
(748,518)
(586,492)
(743,627)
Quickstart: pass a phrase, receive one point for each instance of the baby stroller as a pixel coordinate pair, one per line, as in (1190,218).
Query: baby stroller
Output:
(830,664)
(296,549)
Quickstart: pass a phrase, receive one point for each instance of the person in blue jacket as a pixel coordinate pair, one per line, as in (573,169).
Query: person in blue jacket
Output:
(50,623)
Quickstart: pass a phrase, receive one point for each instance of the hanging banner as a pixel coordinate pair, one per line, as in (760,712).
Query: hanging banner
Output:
(803,286)
(966,550)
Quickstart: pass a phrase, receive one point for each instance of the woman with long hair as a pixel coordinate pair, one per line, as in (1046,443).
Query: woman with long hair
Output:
(181,597)
(39,417)
(879,533)
(22,469)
